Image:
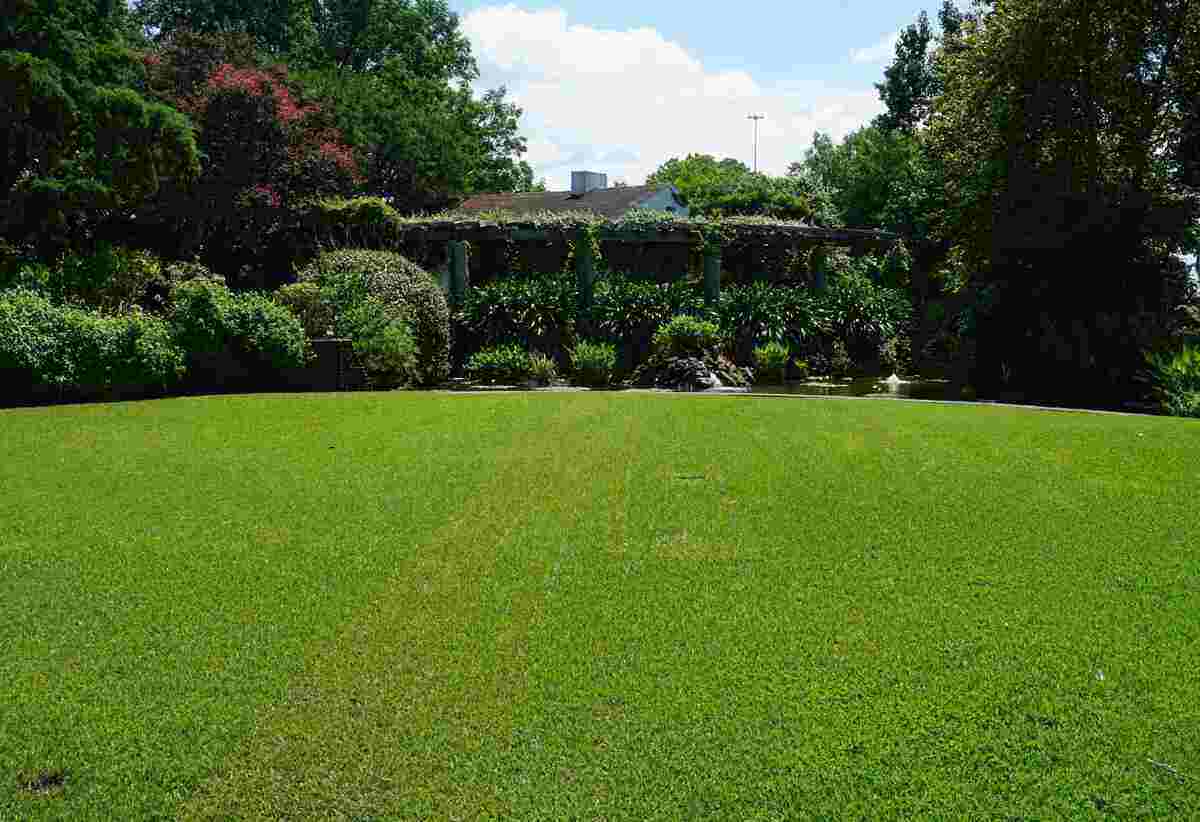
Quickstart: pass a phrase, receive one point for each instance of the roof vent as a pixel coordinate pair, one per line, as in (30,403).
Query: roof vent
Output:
(584,181)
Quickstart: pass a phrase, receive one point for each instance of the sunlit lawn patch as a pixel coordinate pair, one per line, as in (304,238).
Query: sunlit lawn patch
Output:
(619,606)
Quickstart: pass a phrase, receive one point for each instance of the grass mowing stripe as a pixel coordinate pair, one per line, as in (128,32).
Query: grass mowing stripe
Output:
(165,564)
(390,714)
(715,609)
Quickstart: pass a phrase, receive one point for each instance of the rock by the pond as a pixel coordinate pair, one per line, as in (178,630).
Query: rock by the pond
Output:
(689,373)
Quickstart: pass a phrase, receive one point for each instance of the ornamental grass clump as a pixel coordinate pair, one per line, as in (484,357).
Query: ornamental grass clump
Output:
(542,368)
(593,363)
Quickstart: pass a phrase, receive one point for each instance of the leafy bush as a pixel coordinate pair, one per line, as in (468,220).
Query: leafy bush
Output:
(759,313)
(593,363)
(1176,380)
(623,307)
(206,317)
(542,368)
(688,336)
(383,341)
(310,307)
(770,362)
(506,364)
(627,312)
(534,312)
(75,349)
(349,275)
(863,315)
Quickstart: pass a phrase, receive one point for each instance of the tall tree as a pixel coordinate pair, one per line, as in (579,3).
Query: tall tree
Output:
(76,137)
(728,187)
(908,80)
(1064,128)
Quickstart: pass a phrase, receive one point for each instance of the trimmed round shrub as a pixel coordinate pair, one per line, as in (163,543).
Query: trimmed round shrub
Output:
(503,364)
(688,336)
(593,363)
(346,276)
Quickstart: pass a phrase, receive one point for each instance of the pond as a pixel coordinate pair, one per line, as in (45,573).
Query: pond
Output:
(863,387)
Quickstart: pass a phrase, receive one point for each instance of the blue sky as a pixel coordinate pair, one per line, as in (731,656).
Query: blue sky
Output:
(622,86)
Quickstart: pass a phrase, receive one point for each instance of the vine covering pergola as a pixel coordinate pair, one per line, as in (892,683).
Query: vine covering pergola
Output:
(446,242)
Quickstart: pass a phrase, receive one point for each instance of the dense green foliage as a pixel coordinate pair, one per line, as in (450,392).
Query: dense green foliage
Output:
(315,311)
(76,136)
(502,364)
(396,281)
(542,368)
(771,362)
(207,318)
(593,363)
(1176,380)
(724,607)
(688,336)
(78,352)
(383,341)
(537,312)
(727,187)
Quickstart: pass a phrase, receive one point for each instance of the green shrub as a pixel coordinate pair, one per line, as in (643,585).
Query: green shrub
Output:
(383,341)
(206,317)
(593,363)
(109,278)
(759,313)
(542,368)
(770,362)
(504,364)
(534,312)
(310,307)
(863,315)
(624,307)
(1176,380)
(688,336)
(347,276)
(266,332)
(75,349)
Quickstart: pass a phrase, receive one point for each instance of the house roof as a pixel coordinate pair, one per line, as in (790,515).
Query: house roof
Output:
(604,202)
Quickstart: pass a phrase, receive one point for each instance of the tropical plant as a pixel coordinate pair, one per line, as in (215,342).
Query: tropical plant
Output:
(1175,377)
(771,361)
(688,336)
(535,312)
(760,313)
(542,368)
(593,363)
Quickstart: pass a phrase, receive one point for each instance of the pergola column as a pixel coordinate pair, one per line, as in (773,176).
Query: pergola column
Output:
(458,271)
(585,269)
(712,274)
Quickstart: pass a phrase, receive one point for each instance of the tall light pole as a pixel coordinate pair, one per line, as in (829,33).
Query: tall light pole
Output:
(755,118)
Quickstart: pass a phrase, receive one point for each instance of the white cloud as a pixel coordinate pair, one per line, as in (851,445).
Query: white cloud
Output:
(624,102)
(881,52)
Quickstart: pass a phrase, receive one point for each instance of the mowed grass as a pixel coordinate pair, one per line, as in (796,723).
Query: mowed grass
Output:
(596,606)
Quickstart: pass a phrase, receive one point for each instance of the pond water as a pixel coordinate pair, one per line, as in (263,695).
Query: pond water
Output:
(865,387)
